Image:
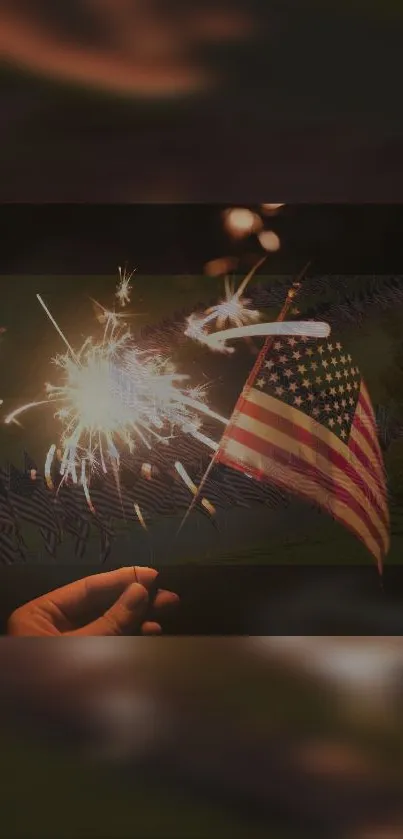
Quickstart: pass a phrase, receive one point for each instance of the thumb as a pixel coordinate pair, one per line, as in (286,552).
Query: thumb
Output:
(123,617)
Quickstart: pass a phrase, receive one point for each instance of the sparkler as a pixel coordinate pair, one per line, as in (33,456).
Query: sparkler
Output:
(235,310)
(124,288)
(113,395)
(311,329)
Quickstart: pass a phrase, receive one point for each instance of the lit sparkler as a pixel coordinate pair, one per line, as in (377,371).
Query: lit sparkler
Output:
(235,310)
(113,395)
(309,329)
(192,487)
(124,288)
(234,318)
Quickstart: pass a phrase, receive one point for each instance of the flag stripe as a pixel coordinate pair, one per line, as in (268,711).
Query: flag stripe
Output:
(358,446)
(290,421)
(346,491)
(263,468)
(305,453)
(365,411)
(369,431)
(291,427)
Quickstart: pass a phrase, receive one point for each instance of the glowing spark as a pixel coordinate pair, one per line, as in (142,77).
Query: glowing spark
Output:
(234,310)
(56,325)
(192,487)
(48,466)
(124,288)
(311,329)
(140,516)
(14,414)
(109,319)
(114,395)
(146,471)
(84,485)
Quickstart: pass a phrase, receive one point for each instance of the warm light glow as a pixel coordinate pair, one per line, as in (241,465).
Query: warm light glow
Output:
(233,310)
(114,395)
(242,222)
(271,207)
(269,240)
(193,488)
(311,329)
(124,288)
(219,267)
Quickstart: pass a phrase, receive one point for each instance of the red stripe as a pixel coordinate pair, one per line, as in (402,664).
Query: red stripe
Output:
(371,438)
(295,431)
(261,476)
(269,450)
(368,404)
(379,478)
(365,403)
(378,468)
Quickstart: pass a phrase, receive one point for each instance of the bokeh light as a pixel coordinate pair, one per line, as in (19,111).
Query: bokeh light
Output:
(241,222)
(269,240)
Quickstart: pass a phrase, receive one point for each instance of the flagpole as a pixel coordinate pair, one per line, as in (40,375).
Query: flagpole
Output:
(291,295)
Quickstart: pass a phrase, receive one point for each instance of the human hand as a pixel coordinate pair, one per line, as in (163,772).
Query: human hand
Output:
(113,603)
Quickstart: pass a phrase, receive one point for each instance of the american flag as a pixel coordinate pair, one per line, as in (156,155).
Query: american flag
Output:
(305,423)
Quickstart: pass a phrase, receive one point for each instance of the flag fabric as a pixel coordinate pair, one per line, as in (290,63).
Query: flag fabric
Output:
(31,503)
(12,547)
(305,423)
(50,531)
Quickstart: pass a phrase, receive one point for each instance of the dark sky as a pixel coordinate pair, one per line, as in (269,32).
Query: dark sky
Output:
(181,238)
(308,109)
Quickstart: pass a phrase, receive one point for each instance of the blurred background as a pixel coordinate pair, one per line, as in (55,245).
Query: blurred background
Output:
(261,737)
(124,100)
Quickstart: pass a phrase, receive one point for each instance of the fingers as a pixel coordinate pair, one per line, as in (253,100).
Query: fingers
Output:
(120,597)
(95,594)
(165,600)
(123,618)
(151,628)
(145,576)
